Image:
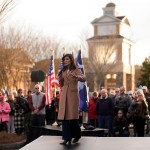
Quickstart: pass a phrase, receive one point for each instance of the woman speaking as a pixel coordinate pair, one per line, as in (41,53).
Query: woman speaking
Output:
(69,100)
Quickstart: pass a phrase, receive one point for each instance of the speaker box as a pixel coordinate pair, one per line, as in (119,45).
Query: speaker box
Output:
(37,76)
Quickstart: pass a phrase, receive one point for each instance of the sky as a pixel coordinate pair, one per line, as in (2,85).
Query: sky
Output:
(68,18)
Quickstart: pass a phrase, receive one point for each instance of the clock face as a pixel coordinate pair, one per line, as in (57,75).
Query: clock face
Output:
(106,30)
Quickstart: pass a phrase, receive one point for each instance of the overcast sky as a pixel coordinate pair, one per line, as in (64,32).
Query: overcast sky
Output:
(68,18)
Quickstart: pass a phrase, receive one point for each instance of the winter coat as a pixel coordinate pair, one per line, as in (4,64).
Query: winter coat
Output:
(105,107)
(147,96)
(119,123)
(122,101)
(92,109)
(69,97)
(138,109)
(12,106)
(4,116)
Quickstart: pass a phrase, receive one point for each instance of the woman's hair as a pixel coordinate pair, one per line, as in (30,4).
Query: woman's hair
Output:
(95,93)
(72,65)
(140,92)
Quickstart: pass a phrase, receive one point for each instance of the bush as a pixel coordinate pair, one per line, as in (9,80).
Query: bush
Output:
(10,138)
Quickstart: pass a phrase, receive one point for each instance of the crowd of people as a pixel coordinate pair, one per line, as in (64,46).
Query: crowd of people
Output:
(108,110)
(114,111)
(117,111)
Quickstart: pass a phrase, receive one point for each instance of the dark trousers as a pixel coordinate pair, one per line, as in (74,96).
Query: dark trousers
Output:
(106,123)
(93,122)
(34,131)
(121,133)
(3,126)
(37,120)
(70,129)
(139,124)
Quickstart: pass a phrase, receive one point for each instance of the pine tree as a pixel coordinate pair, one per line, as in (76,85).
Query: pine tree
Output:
(145,73)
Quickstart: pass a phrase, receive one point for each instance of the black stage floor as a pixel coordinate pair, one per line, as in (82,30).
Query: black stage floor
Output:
(90,143)
(56,130)
(36,132)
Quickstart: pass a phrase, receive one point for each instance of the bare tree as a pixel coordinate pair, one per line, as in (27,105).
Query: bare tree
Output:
(21,46)
(5,7)
(104,58)
(85,34)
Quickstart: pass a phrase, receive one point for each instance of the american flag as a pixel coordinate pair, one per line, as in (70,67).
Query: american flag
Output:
(51,81)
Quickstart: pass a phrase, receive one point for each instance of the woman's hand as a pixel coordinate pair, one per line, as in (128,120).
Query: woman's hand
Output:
(73,75)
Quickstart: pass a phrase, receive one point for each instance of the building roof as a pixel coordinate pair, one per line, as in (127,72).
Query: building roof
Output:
(44,65)
(105,37)
(110,5)
(120,17)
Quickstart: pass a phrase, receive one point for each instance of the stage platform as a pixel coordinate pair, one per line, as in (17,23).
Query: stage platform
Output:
(36,132)
(90,143)
(56,130)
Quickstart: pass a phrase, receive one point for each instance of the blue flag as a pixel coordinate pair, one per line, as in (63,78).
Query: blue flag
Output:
(61,63)
(82,86)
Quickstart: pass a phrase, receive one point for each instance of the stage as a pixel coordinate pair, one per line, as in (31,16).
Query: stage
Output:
(90,143)
(57,131)
(36,132)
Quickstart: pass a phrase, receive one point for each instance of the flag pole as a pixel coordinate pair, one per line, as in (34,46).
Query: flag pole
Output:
(84,112)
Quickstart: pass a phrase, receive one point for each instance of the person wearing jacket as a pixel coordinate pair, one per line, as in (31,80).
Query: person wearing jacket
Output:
(120,125)
(105,111)
(11,128)
(69,100)
(139,111)
(92,110)
(37,104)
(122,101)
(4,114)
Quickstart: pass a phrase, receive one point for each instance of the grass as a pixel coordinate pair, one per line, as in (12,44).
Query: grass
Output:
(6,138)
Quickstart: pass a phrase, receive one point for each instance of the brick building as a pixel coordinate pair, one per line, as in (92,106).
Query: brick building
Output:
(111,31)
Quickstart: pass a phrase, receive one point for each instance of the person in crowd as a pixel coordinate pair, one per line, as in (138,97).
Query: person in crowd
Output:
(37,105)
(139,112)
(11,128)
(4,94)
(27,112)
(147,96)
(116,93)
(14,92)
(56,105)
(50,112)
(20,108)
(120,125)
(4,114)
(122,101)
(105,111)
(69,100)
(131,94)
(92,115)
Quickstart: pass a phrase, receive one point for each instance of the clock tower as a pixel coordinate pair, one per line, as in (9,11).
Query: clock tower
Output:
(112,31)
